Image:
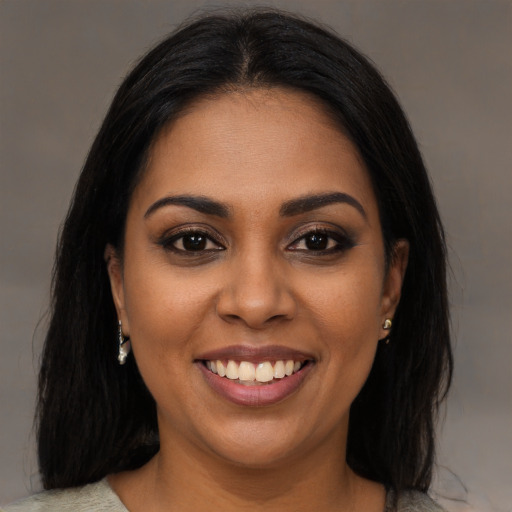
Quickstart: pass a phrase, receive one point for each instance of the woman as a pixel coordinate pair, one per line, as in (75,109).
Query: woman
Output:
(249,302)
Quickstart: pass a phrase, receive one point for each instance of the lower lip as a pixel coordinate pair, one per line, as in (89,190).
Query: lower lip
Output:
(257,395)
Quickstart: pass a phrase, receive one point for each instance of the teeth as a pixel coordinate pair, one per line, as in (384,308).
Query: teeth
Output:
(221,370)
(279,370)
(264,372)
(232,370)
(247,373)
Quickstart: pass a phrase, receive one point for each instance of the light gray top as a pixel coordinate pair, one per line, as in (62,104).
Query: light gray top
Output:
(100,497)
(93,497)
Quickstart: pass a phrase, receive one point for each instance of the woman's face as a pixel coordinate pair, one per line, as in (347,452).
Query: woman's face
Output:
(252,240)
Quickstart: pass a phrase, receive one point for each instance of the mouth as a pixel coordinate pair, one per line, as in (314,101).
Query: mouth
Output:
(255,376)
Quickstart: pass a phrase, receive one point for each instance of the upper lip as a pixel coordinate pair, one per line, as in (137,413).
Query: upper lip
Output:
(254,354)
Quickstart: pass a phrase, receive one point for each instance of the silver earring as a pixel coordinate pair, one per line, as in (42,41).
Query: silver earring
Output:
(124,345)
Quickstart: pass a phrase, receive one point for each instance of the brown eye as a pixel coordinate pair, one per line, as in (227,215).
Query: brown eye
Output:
(322,242)
(195,242)
(316,241)
(192,241)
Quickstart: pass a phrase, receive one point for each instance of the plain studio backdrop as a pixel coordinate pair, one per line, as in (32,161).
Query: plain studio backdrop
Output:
(450,63)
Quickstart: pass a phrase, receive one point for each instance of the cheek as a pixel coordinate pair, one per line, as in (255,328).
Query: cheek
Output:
(349,303)
(346,311)
(165,309)
(166,312)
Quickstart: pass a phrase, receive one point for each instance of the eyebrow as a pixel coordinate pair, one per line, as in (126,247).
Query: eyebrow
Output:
(290,208)
(201,204)
(313,202)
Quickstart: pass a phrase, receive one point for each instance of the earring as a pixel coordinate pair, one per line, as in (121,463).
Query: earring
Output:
(388,323)
(124,345)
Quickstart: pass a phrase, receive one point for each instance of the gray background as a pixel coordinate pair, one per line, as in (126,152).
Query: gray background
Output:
(449,62)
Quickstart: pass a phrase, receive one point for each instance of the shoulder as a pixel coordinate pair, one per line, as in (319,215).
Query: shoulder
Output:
(97,496)
(415,501)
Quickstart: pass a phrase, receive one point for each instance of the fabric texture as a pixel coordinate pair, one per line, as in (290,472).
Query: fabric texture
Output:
(93,497)
(100,497)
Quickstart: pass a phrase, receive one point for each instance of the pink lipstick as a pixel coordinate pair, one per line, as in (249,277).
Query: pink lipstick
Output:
(255,376)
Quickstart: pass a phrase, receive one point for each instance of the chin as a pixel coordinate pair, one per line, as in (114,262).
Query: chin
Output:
(257,458)
(258,447)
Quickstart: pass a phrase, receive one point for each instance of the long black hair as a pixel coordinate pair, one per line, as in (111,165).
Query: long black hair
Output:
(95,417)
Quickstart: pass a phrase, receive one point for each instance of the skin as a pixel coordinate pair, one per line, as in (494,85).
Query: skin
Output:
(256,283)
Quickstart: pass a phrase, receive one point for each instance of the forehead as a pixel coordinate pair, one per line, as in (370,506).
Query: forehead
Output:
(256,146)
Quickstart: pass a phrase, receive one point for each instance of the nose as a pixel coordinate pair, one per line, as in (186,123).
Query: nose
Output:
(256,293)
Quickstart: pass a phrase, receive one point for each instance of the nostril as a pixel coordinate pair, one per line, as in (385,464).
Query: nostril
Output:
(277,317)
(254,321)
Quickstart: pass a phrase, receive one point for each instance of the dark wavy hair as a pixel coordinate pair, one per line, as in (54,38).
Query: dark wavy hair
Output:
(95,417)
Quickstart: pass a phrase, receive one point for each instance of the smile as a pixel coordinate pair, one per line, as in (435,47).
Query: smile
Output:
(254,374)
(254,377)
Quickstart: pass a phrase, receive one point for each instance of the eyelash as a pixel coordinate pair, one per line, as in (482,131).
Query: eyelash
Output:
(339,242)
(168,242)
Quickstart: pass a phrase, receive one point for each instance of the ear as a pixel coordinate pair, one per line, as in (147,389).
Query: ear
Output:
(115,274)
(393,281)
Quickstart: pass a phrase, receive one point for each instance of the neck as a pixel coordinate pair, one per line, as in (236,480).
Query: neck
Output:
(285,485)
(183,478)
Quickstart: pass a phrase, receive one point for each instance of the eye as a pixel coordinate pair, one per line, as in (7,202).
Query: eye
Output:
(192,241)
(321,241)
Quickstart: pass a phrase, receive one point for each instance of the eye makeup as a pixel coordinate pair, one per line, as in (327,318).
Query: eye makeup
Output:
(201,243)
(191,241)
(319,242)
